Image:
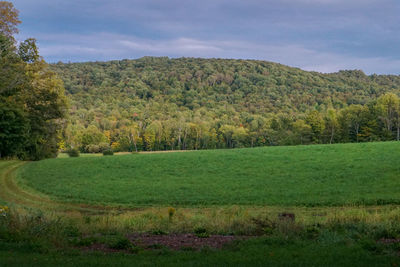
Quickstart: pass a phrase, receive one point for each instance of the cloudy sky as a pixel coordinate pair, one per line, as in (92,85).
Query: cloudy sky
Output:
(319,35)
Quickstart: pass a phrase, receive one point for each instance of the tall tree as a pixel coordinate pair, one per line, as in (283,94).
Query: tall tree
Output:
(33,101)
(8,19)
(13,130)
(303,131)
(353,118)
(388,107)
(317,123)
(46,106)
(331,124)
(13,121)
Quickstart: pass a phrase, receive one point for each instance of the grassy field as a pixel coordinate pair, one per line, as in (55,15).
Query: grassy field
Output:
(319,175)
(344,197)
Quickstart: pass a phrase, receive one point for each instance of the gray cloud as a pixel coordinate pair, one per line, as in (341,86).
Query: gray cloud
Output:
(322,35)
(106,46)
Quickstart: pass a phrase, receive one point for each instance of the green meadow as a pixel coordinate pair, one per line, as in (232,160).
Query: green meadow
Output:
(83,211)
(317,175)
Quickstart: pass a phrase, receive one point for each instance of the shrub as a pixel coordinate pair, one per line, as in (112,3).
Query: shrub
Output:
(34,232)
(104,147)
(73,152)
(93,148)
(97,148)
(108,153)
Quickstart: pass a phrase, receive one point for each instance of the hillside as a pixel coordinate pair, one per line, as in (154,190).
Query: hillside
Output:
(187,103)
(319,175)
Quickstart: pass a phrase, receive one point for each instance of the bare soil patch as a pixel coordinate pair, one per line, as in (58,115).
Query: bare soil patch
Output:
(182,241)
(168,241)
(103,248)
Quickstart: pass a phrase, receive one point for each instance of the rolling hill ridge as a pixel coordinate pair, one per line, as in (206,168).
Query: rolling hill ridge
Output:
(192,103)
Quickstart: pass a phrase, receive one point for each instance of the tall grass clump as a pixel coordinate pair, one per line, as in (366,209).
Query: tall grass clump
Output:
(35,231)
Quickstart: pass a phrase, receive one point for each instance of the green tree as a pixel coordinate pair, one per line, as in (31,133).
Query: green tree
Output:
(317,124)
(32,97)
(352,120)
(28,51)
(388,106)
(239,136)
(13,130)
(331,124)
(46,107)
(91,136)
(130,137)
(303,131)
(227,132)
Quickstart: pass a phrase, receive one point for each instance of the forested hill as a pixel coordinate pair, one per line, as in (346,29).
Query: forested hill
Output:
(246,85)
(201,103)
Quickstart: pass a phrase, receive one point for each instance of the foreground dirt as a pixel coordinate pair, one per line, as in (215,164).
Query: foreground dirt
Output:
(170,241)
(181,241)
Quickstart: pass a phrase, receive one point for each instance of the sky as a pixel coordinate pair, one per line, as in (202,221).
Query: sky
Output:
(317,35)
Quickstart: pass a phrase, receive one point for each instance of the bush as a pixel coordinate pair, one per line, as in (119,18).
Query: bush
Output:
(93,148)
(73,152)
(99,148)
(108,153)
(104,147)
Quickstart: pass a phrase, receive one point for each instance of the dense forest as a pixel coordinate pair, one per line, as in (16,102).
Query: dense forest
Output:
(190,103)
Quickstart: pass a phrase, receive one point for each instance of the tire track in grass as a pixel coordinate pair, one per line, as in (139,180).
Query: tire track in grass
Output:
(14,191)
(11,193)
(8,190)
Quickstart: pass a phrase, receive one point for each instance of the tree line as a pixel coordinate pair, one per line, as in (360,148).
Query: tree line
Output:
(32,101)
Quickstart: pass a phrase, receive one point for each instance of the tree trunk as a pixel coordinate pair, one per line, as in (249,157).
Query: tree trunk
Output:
(332,134)
(357,129)
(179,140)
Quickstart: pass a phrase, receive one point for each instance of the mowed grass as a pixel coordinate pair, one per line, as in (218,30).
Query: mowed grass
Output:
(319,175)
